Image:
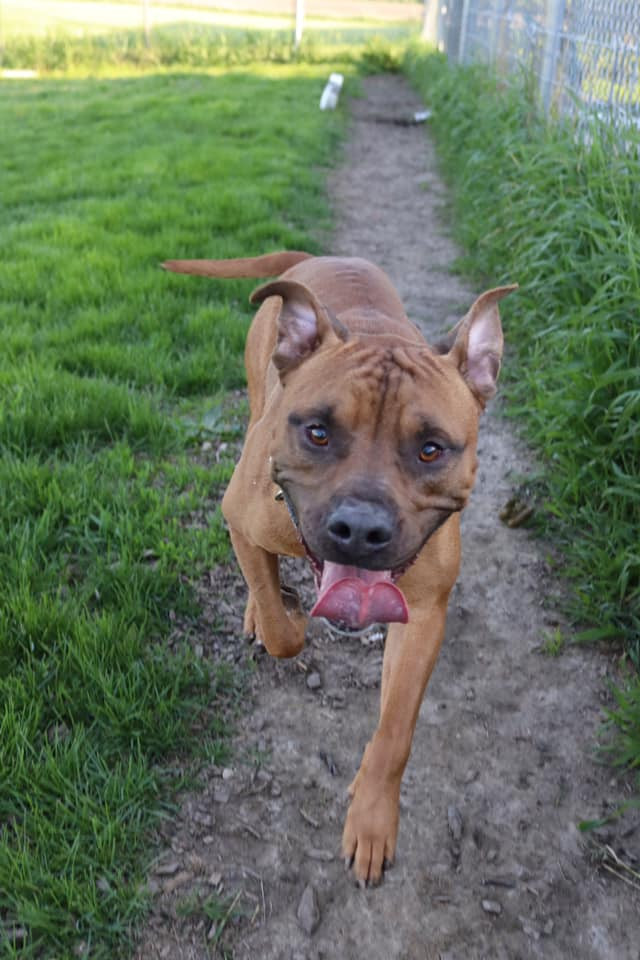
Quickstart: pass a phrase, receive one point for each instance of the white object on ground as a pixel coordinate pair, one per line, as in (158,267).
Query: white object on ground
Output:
(331,92)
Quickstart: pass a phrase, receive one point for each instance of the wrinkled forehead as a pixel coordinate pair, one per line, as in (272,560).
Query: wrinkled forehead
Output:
(370,386)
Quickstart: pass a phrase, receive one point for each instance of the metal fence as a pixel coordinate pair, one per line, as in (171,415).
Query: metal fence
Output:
(584,54)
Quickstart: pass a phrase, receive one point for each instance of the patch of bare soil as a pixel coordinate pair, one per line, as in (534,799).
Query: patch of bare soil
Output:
(490,863)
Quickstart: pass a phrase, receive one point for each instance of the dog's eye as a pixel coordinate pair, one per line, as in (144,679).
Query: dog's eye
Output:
(318,435)
(430,452)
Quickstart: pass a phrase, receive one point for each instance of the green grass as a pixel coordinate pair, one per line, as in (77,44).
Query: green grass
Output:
(111,374)
(200,46)
(560,214)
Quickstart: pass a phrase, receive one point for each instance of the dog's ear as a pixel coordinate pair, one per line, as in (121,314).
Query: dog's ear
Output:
(476,343)
(303,324)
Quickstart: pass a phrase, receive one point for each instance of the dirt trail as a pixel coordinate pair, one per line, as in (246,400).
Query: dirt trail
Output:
(490,863)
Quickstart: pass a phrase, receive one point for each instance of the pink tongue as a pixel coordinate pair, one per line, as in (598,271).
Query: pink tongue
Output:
(356,598)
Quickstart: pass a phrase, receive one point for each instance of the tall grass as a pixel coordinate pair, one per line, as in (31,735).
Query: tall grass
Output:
(201,47)
(111,373)
(558,212)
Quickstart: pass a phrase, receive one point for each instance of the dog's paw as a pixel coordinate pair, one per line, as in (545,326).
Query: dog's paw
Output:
(286,644)
(370,832)
(284,636)
(281,629)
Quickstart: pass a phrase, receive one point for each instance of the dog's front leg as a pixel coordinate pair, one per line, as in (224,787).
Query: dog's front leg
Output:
(370,832)
(276,621)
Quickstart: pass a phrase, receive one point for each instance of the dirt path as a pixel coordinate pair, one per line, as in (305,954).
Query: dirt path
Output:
(490,863)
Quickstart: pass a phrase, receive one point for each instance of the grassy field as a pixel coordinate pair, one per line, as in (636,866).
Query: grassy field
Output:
(98,36)
(111,374)
(561,214)
(188,45)
(29,17)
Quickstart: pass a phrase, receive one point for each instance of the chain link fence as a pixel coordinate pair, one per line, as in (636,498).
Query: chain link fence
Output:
(583,54)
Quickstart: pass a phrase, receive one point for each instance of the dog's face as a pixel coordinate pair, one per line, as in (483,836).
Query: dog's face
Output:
(375,446)
(369,455)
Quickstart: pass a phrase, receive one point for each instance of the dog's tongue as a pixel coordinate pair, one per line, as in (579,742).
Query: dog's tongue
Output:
(356,598)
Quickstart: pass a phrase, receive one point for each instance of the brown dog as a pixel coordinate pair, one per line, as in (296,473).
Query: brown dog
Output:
(360,453)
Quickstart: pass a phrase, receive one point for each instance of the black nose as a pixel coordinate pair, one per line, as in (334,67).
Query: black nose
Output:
(360,528)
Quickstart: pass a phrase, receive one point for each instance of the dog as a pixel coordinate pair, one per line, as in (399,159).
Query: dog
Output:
(360,454)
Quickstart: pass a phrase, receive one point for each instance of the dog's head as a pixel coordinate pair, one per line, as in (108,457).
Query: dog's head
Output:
(377,445)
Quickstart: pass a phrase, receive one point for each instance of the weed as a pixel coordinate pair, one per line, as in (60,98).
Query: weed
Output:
(217,910)
(554,642)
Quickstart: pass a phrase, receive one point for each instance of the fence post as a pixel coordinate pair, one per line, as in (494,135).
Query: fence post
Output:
(464,22)
(553,28)
(430,22)
(299,23)
(145,22)
(494,30)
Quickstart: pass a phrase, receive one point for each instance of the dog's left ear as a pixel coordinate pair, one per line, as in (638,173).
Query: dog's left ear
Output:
(304,324)
(476,343)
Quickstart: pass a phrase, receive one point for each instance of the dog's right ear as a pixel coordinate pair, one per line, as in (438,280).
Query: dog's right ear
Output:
(304,324)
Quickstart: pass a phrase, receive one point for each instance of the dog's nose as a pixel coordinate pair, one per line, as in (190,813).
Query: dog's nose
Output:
(360,528)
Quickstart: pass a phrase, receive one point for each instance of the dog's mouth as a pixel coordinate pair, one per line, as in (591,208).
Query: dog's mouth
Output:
(353,598)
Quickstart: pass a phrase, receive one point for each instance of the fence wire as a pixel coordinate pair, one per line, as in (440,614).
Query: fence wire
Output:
(584,54)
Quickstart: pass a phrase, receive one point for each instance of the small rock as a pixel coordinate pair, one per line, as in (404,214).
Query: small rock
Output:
(222,794)
(215,879)
(314,681)
(530,931)
(227,773)
(196,863)
(548,928)
(206,446)
(208,840)
(204,819)
(172,883)
(326,856)
(308,913)
(167,869)
(454,818)
(492,906)
(499,881)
